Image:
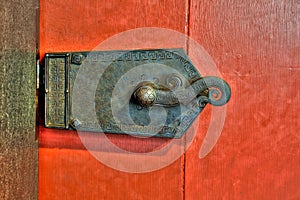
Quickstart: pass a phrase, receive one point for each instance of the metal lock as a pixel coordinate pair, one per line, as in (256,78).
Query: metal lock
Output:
(142,92)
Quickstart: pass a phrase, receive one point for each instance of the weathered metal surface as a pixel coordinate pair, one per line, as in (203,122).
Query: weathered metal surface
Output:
(142,92)
(18,144)
(56,91)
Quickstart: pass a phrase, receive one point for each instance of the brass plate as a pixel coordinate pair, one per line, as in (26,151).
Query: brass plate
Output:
(57,90)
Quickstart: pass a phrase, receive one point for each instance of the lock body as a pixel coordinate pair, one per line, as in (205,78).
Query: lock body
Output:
(142,92)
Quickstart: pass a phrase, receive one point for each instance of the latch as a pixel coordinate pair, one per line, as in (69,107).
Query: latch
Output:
(155,92)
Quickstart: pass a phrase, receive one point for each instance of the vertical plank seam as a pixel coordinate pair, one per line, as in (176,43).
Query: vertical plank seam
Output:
(187,33)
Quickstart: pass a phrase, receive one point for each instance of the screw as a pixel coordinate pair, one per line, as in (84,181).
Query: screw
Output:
(75,123)
(76,59)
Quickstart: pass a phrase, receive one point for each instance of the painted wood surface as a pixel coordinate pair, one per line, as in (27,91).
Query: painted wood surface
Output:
(255,45)
(18,142)
(66,169)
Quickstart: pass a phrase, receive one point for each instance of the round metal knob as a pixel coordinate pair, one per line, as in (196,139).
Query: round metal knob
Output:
(145,96)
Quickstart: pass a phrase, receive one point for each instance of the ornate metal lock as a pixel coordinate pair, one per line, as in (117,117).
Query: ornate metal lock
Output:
(142,92)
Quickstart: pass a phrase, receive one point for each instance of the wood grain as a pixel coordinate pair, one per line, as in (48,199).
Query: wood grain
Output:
(18,144)
(66,169)
(255,45)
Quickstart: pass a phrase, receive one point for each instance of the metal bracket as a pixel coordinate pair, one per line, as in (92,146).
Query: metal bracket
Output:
(134,90)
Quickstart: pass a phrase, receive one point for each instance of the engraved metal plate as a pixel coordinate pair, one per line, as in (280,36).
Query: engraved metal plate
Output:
(57,90)
(142,92)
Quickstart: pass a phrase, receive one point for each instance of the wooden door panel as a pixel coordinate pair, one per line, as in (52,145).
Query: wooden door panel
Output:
(66,169)
(254,46)
(74,25)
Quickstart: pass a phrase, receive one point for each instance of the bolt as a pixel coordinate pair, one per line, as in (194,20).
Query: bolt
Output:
(76,59)
(75,123)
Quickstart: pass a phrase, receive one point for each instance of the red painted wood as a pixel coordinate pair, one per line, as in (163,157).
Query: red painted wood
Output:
(66,169)
(255,45)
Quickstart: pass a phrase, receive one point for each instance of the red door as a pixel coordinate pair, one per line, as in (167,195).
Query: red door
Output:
(254,46)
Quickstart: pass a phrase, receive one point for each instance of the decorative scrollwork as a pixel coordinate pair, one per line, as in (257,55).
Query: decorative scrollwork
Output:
(174,81)
(219,91)
(202,101)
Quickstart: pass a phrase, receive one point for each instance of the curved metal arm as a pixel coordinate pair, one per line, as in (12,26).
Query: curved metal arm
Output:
(210,89)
